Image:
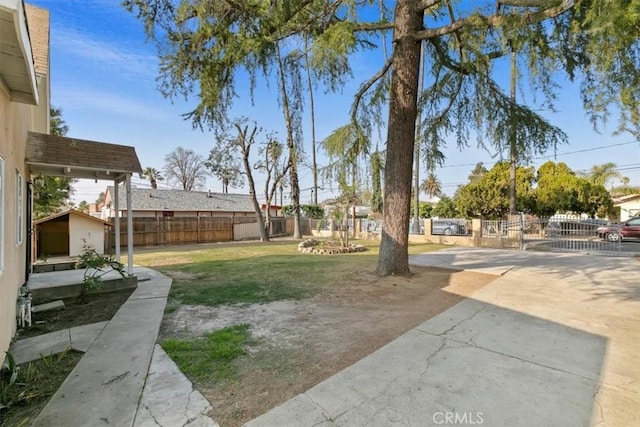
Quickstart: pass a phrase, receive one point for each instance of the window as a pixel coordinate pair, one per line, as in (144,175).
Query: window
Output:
(1,214)
(19,209)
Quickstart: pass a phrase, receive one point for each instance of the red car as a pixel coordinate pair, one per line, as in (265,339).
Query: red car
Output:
(630,229)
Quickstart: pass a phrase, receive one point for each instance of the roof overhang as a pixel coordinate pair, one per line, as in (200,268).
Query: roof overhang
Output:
(52,155)
(17,70)
(625,199)
(48,169)
(75,213)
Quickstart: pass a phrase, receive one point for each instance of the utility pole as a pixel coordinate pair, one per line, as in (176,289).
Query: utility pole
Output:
(513,149)
(416,154)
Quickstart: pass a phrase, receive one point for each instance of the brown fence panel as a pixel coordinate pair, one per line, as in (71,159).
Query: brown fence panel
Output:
(177,230)
(173,231)
(305,226)
(216,229)
(278,226)
(244,219)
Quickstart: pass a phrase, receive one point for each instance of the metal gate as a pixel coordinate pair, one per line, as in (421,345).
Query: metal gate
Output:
(565,233)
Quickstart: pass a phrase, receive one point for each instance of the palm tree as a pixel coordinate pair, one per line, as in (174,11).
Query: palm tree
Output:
(431,186)
(625,182)
(153,175)
(601,174)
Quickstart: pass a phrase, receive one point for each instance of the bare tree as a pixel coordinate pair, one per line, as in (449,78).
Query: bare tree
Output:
(276,169)
(185,168)
(226,167)
(238,147)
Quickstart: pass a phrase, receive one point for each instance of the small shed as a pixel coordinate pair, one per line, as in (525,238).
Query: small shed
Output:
(65,234)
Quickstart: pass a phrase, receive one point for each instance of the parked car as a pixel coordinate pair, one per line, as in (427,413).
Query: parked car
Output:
(630,229)
(448,227)
(574,226)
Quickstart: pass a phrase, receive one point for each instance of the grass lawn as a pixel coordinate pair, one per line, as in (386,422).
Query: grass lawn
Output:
(231,274)
(211,356)
(257,273)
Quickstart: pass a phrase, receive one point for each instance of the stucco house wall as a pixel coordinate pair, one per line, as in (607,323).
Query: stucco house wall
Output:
(16,119)
(19,114)
(90,230)
(629,207)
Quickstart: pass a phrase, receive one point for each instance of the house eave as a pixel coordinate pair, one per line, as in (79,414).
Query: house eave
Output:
(17,69)
(76,171)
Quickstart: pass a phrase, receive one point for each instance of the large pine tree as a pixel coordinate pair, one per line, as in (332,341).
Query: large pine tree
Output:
(203,45)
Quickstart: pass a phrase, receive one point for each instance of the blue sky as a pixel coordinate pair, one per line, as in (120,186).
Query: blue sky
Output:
(103,76)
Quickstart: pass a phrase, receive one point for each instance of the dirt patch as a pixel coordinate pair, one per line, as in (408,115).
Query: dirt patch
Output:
(99,307)
(181,275)
(300,343)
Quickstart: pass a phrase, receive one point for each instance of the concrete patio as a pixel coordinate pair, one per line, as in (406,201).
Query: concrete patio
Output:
(552,342)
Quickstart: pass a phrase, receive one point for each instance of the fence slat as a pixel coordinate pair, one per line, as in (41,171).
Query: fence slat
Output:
(173,231)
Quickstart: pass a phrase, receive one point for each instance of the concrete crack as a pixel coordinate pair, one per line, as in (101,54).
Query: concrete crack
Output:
(460,322)
(443,343)
(151,415)
(511,356)
(116,378)
(600,408)
(325,414)
(186,407)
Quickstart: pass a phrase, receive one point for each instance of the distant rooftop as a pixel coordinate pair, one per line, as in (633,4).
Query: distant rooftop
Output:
(145,199)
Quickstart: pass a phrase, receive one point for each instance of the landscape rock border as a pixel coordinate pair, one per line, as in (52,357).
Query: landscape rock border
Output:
(320,247)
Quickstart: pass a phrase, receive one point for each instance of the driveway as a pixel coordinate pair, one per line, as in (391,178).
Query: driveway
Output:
(553,341)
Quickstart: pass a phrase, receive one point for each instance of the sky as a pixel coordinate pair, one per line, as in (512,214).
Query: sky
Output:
(104,78)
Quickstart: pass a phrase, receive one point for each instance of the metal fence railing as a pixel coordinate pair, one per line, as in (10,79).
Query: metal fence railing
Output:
(556,233)
(371,226)
(451,226)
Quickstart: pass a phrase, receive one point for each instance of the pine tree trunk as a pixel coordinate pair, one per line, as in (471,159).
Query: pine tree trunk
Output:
(293,155)
(394,247)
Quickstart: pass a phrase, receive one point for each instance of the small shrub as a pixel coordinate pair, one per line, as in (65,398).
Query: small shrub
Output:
(8,383)
(96,265)
(25,389)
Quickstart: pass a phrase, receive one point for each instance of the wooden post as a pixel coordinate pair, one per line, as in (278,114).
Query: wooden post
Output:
(116,221)
(129,227)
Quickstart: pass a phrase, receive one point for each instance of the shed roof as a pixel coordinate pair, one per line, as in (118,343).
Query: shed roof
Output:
(71,212)
(79,158)
(144,199)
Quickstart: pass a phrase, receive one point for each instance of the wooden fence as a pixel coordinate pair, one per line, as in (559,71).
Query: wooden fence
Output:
(173,231)
(183,230)
(305,227)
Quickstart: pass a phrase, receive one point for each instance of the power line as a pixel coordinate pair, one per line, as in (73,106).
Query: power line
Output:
(586,150)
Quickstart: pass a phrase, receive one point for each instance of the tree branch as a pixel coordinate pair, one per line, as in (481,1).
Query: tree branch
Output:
(495,21)
(423,5)
(367,85)
(373,26)
(529,3)
(446,61)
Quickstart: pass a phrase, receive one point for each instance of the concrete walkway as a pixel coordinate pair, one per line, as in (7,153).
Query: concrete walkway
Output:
(106,386)
(554,341)
(79,338)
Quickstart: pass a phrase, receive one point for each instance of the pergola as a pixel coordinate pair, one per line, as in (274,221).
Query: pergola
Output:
(77,158)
